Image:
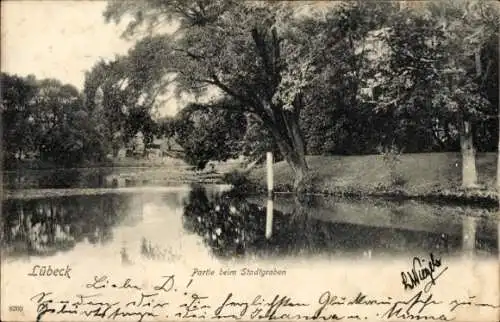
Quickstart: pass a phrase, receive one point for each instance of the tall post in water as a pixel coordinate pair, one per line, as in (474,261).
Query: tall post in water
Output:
(270,195)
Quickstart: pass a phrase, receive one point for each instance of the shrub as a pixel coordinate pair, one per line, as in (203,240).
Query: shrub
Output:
(392,157)
(238,179)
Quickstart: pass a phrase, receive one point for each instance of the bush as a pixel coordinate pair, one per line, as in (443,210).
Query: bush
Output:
(238,179)
(392,157)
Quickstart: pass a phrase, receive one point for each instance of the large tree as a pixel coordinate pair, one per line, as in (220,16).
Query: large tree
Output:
(436,62)
(245,50)
(466,28)
(17,108)
(124,92)
(339,121)
(57,106)
(209,133)
(46,120)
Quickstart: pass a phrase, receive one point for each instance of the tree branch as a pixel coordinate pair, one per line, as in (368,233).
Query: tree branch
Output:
(247,102)
(276,76)
(191,54)
(260,44)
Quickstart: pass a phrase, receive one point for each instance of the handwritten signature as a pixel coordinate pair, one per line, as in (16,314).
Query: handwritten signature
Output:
(422,270)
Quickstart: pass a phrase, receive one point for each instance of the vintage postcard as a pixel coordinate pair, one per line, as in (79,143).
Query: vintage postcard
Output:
(223,160)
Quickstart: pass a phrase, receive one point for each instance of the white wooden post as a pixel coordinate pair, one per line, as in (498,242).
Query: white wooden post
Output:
(270,174)
(269,219)
(270,195)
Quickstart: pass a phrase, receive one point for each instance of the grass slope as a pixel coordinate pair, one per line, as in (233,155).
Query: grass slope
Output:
(423,175)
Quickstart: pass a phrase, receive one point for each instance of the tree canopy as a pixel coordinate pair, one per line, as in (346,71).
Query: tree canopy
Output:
(321,78)
(247,51)
(46,119)
(344,78)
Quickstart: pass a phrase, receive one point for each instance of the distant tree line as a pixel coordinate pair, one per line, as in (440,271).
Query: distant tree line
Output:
(50,124)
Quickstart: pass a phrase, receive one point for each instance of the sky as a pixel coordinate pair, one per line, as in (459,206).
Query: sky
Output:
(59,39)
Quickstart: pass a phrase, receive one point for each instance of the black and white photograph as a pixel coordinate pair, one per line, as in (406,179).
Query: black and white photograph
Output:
(227,160)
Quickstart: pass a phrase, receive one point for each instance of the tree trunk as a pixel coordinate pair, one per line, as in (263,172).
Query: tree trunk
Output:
(299,156)
(284,127)
(498,166)
(292,148)
(299,166)
(469,172)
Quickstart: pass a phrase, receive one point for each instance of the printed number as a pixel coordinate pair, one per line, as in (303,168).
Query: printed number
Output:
(15,308)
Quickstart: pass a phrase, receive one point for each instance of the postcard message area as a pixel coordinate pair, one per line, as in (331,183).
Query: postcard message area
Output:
(393,290)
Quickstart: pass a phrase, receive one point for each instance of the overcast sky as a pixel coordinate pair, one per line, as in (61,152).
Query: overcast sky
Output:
(59,39)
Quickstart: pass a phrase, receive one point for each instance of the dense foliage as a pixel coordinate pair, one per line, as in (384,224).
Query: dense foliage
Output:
(46,120)
(344,78)
(209,133)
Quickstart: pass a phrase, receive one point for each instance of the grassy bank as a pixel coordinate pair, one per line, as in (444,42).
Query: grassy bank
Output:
(430,176)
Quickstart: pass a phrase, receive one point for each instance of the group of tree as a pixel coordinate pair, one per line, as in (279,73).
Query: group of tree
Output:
(46,120)
(125,92)
(336,78)
(343,78)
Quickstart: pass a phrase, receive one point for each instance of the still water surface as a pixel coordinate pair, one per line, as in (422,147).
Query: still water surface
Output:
(169,225)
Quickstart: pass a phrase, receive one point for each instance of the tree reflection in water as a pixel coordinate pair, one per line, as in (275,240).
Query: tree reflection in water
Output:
(231,226)
(42,227)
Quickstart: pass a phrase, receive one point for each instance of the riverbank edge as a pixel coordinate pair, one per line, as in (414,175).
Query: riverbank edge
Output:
(427,177)
(474,197)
